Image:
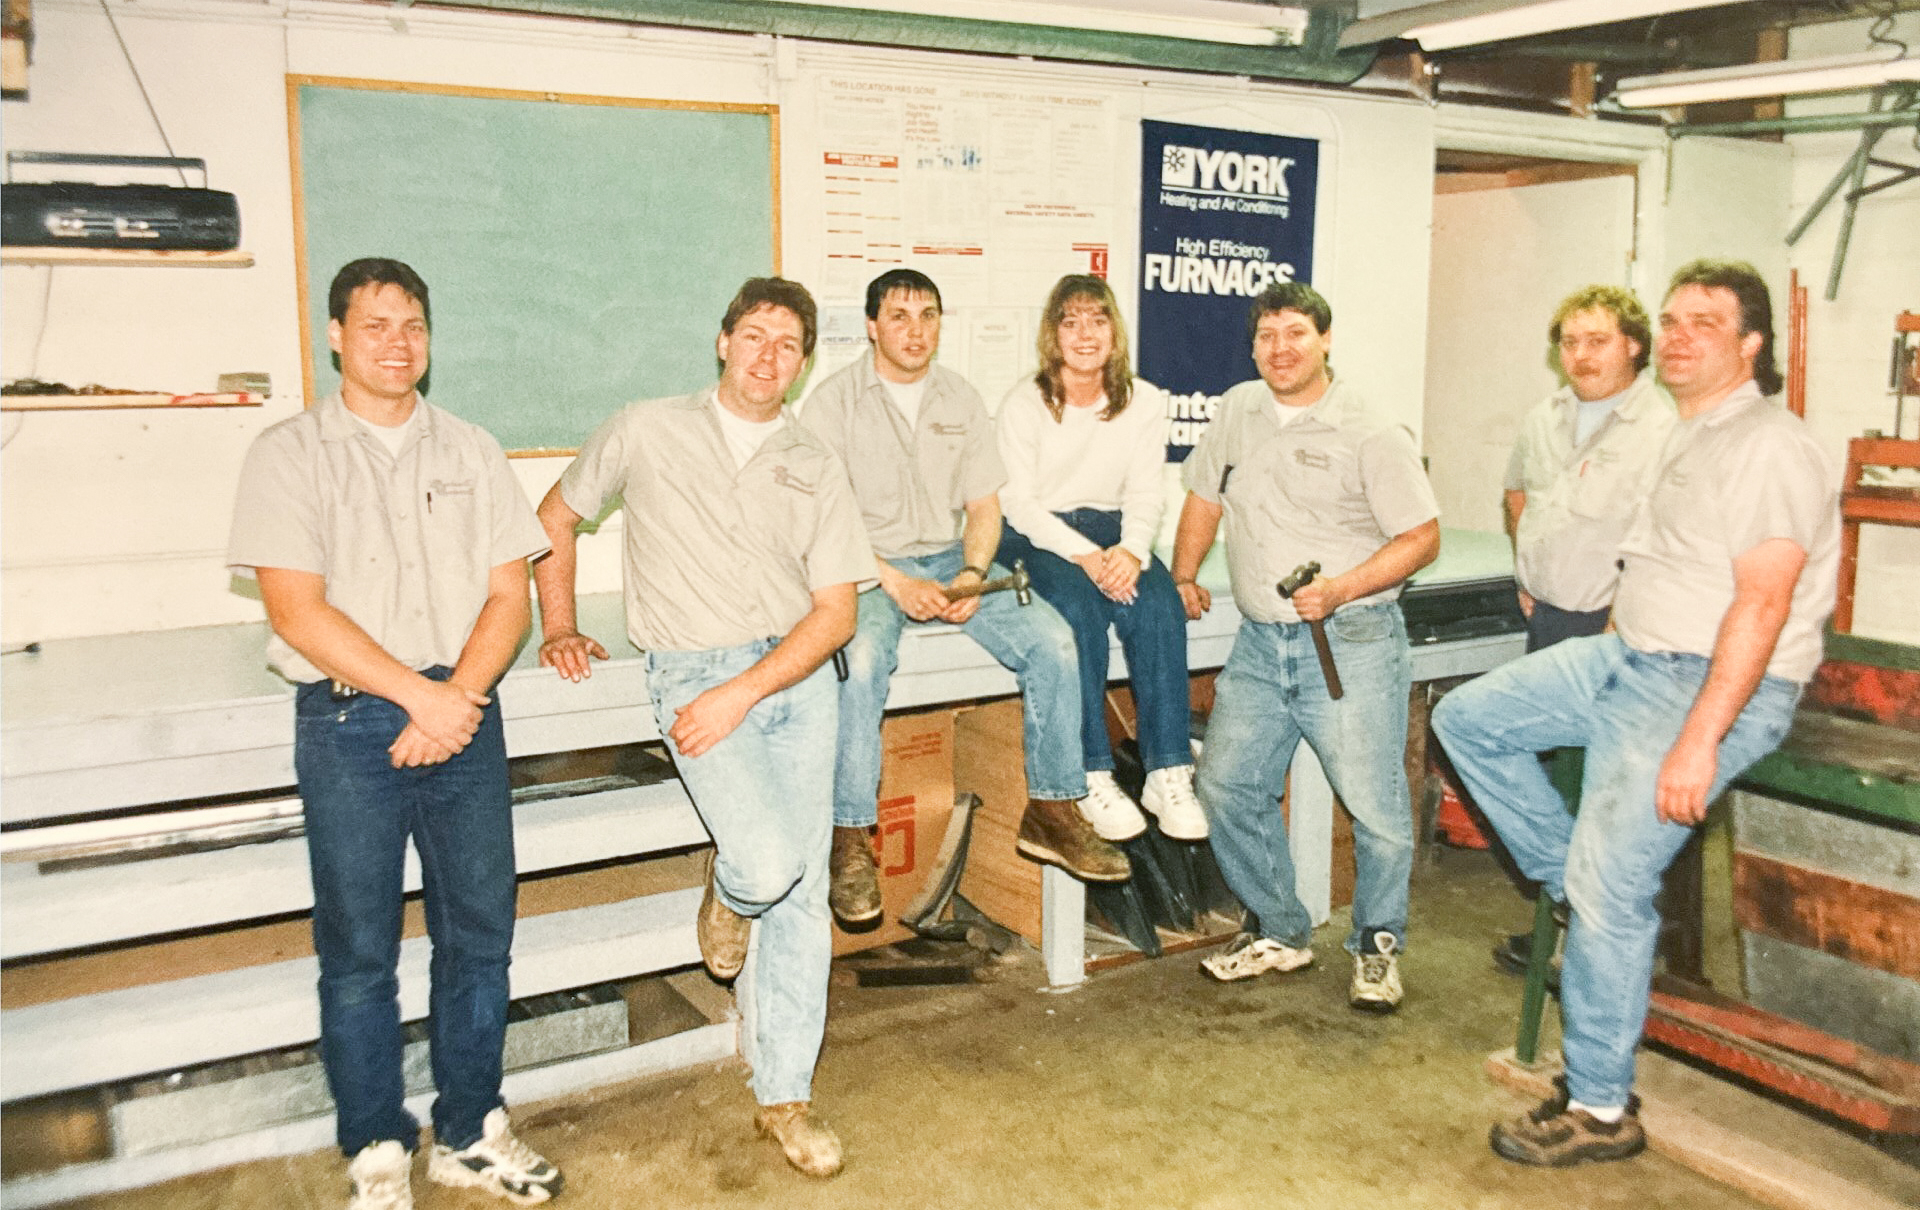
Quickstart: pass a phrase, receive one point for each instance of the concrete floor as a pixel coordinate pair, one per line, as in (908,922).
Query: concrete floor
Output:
(1148,1087)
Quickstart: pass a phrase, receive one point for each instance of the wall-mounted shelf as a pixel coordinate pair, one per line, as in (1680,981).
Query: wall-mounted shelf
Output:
(178,258)
(87,403)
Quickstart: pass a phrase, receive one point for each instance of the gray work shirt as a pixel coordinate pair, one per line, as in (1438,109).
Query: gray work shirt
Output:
(406,544)
(1580,497)
(1742,474)
(1333,485)
(715,555)
(913,484)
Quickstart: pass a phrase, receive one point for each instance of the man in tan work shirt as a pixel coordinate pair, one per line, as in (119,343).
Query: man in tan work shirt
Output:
(1586,456)
(920,449)
(742,551)
(1728,575)
(1302,470)
(390,542)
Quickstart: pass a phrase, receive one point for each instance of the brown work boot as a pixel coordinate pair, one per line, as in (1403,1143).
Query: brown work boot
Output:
(1054,831)
(853,890)
(1555,1135)
(809,1146)
(722,931)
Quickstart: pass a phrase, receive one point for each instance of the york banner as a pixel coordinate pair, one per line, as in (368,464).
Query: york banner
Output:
(1222,214)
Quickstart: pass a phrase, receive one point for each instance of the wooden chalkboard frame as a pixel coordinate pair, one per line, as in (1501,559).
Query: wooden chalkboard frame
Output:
(309,283)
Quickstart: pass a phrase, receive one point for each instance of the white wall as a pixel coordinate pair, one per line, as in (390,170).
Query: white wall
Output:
(115,522)
(1848,338)
(1502,261)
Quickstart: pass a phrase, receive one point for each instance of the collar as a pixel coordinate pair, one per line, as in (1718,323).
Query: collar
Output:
(1642,398)
(1742,400)
(871,384)
(338,424)
(706,401)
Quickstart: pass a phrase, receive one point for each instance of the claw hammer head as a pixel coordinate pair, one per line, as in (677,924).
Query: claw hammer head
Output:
(1298,578)
(1022,582)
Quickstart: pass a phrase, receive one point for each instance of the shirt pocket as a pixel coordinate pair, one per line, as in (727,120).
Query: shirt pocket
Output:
(1603,486)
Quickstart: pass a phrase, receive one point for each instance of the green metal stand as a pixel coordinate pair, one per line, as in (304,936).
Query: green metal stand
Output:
(1565,770)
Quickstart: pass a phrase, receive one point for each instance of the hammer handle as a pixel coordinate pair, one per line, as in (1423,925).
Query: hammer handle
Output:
(1325,651)
(981,589)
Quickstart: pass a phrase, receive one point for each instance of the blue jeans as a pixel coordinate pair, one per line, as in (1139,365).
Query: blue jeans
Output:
(1153,634)
(1625,707)
(1271,695)
(1033,640)
(360,811)
(765,793)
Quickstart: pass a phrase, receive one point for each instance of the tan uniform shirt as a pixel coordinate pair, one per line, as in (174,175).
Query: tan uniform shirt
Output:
(1332,486)
(406,544)
(1742,474)
(717,556)
(913,484)
(1579,498)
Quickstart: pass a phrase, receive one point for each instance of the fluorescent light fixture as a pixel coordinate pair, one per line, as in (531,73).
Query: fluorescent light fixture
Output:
(1452,23)
(1236,22)
(1785,78)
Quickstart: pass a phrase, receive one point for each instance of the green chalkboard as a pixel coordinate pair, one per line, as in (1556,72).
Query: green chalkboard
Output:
(579,250)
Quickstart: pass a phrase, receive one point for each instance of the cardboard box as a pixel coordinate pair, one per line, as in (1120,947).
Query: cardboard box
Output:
(916,804)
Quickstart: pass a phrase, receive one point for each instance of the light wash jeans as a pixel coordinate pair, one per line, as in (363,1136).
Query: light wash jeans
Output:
(765,793)
(1153,634)
(360,811)
(1033,640)
(1272,694)
(1625,707)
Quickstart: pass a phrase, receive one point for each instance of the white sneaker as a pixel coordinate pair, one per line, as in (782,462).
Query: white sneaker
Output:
(498,1163)
(1169,796)
(1248,956)
(1107,807)
(382,1176)
(1376,976)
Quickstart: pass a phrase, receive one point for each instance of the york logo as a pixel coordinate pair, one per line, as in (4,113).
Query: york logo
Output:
(1224,171)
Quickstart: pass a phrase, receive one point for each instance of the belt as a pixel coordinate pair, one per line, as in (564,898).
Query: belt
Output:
(341,691)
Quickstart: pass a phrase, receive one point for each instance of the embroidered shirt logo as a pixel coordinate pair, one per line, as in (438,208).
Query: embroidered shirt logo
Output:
(444,487)
(1312,458)
(949,430)
(785,477)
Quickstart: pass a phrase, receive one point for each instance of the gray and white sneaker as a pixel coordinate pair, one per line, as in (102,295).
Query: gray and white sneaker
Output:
(1169,797)
(1248,955)
(498,1163)
(1376,975)
(382,1176)
(1107,807)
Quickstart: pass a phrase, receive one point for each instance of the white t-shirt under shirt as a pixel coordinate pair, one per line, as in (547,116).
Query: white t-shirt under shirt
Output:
(1082,461)
(907,396)
(394,437)
(744,437)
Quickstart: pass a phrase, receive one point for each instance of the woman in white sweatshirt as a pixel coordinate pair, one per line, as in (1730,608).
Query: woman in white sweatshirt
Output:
(1084,443)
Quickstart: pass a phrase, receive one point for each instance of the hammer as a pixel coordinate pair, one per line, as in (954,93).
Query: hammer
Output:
(1299,578)
(1019,581)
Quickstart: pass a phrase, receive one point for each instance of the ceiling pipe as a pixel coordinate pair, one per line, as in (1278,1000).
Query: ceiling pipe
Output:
(1319,59)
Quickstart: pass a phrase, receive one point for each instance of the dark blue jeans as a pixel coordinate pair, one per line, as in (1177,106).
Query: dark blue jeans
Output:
(1153,635)
(360,810)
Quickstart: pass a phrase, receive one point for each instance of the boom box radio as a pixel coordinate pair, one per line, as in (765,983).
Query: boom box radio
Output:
(74,214)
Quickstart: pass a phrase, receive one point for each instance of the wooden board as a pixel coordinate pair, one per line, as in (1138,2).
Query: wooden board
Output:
(91,403)
(176,258)
(1857,921)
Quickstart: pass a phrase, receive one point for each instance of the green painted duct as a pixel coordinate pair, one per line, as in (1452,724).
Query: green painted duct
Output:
(1319,60)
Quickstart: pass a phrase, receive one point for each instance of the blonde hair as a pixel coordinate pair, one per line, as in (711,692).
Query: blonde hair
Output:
(1116,376)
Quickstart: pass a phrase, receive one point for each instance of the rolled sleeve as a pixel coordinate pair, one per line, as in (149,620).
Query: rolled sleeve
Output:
(839,552)
(1207,464)
(1786,495)
(599,472)
(276,512)
(1397,490)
